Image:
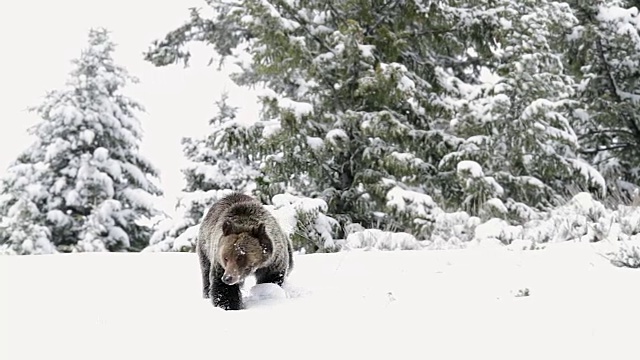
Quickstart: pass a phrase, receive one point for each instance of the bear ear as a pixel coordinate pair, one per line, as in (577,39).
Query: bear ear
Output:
(260,233)
(227,227)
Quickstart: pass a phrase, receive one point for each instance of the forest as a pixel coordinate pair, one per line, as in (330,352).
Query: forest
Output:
(385,124)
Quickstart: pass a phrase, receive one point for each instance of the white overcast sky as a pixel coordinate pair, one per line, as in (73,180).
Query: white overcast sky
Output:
(40,37)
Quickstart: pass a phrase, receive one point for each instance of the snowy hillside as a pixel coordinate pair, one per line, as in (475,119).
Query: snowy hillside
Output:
(452,304)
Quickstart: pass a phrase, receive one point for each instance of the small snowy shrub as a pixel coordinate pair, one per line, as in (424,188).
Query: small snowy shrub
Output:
(571,221)
(497,230)
(493,208)
(370,239)
(305,221)
(477,187)
(627,255)
(408,210)
(173,235)
(6,250)
(583,218)
(451,229)
(522,292)
(629,219)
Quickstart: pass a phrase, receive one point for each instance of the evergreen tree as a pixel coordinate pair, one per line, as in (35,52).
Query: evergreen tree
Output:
(356,107)
(520,145)
(22,230)
(604,57)
(215,169)
(82,186)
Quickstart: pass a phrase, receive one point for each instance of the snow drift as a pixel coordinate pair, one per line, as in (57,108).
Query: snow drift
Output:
(561,302)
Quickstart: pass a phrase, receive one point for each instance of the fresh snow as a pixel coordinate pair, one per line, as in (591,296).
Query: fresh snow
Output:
(561,302)
(498,205)
(366,51)
(315,143)
(472,167)
(334,134)
(590,172)
(419,204)
(618,14)
(296,107)
(270,128)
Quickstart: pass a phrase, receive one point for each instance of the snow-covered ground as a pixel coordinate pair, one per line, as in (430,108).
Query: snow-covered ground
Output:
(450,304)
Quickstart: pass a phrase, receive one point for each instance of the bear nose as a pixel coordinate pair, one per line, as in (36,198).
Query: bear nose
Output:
(227,279)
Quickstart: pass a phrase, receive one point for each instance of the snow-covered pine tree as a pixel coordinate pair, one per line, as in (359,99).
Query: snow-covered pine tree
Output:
(520,148)
(82,186)
(605,58)
(215,169)
(355,108)
(22,230)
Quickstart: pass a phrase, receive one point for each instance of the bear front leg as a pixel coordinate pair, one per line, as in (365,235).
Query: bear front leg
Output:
(205,268)
(270,276)
(227,297)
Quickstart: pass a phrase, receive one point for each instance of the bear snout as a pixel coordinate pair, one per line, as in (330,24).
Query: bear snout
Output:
(229,279)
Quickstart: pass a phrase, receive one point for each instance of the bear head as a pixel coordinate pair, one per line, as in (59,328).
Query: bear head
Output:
(242,250)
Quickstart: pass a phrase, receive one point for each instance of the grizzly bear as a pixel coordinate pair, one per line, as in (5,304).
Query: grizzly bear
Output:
(238,237)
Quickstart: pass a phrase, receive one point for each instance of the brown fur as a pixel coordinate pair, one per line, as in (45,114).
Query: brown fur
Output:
(239,237)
